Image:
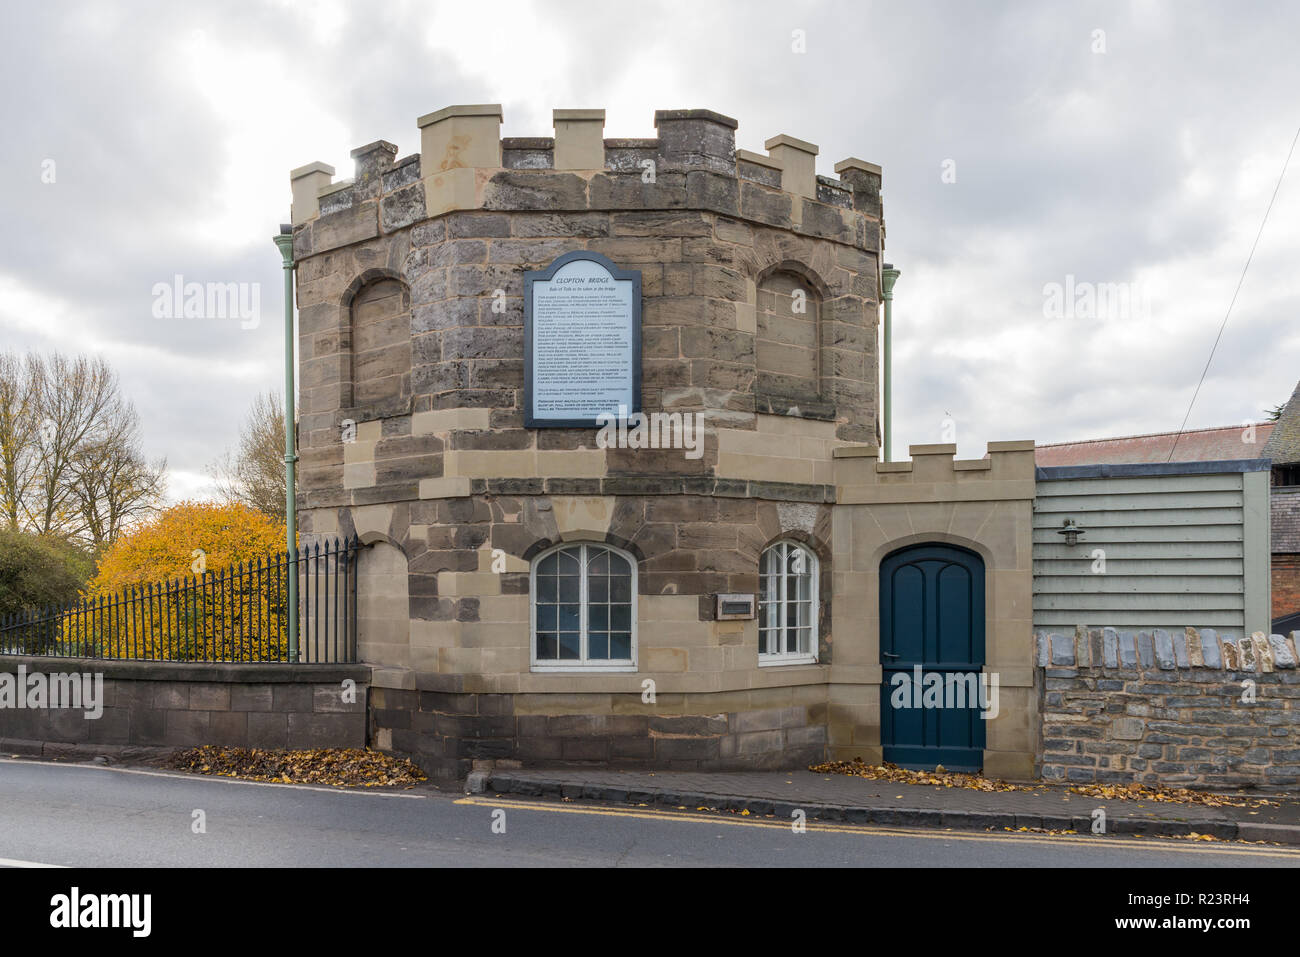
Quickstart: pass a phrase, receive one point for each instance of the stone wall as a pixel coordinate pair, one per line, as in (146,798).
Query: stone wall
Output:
(760,729)
(707,232)
(175,705)
(466,664)
(1192,708)
(470,620)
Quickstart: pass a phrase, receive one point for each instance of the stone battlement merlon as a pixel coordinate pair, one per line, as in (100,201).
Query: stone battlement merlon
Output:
(934,471)
(465,164)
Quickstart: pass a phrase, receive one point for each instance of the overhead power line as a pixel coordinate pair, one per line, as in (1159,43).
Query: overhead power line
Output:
(1223,325)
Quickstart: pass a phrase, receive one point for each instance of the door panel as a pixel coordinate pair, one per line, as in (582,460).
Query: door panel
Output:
(932,630)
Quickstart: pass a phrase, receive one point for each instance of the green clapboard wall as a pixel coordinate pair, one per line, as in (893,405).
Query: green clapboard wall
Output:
(1184,543)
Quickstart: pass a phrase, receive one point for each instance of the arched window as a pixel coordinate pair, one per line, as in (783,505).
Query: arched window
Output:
(584,609)
(787,605)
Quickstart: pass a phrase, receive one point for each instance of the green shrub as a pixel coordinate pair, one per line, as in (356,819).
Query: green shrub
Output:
(36,571)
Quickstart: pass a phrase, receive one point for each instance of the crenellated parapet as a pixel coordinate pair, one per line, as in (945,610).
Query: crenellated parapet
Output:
(934,474)
(693,163)
(758,320)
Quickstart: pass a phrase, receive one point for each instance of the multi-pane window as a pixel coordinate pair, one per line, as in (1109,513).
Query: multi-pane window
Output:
(584,609)
(787,605)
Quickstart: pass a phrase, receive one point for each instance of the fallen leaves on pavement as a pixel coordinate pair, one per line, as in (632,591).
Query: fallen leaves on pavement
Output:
(938,777)
(975,782)
(340,767)
(1141,792)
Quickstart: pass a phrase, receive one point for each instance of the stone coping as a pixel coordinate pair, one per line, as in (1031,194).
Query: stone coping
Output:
(259,672)
(1205,648)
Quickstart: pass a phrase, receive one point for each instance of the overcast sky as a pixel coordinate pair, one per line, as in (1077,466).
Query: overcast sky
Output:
(1019,145)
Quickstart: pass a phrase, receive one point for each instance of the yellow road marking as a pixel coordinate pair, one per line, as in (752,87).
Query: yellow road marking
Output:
(728,818)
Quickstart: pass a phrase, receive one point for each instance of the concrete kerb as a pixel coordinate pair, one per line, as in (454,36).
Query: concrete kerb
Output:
(145,755)
(1221,828)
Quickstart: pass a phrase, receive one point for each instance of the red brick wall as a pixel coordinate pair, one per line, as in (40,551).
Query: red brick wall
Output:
(1286,585)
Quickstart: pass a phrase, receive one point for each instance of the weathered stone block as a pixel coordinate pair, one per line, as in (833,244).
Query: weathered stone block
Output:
(696,139)
(466,225)
(1283,655)
(1164,649)
(1110,648)
(345,228)
(1128,729)
(535,189)
(1062,650)
(1210,652)
(765,205)
(209,697)
(402,208)
(1146,649)
(293,697)
(1128,656)
(1181,658)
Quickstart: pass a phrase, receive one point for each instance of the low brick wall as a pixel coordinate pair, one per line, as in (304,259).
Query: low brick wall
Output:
(180,705)
(444,732)
(1169,709)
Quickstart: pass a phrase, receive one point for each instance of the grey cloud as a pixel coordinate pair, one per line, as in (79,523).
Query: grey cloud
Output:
(1068,162)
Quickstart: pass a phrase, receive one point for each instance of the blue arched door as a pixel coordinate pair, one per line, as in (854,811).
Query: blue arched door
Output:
(932,653)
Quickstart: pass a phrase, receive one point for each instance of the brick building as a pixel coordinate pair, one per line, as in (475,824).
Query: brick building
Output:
(1283,450)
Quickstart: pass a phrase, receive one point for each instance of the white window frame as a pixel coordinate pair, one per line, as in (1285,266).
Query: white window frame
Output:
(767,659)
(582,664)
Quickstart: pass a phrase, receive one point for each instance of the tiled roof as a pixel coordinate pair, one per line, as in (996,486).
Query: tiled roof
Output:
(1197,445)
(1284,444)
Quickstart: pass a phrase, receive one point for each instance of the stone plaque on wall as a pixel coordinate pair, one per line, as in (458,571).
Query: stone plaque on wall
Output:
(582,341)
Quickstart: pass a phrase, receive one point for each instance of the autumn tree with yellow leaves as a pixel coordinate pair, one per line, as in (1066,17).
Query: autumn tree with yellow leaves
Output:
(201,581)
(188,539)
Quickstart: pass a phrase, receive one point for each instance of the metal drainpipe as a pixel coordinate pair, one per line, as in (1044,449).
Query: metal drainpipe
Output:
(888,276)
(284,242)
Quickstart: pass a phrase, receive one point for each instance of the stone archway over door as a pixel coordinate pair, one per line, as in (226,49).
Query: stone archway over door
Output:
(932,629)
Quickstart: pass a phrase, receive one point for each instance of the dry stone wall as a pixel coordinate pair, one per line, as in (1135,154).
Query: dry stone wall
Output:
(1195,708)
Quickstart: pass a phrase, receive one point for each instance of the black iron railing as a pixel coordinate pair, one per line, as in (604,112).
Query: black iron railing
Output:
(237,614)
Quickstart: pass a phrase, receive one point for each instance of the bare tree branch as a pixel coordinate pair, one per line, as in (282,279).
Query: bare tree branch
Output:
(254,473)
(19,391)
(71,458)
(112,482)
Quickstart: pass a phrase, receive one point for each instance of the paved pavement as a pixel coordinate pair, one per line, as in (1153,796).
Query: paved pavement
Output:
(90,816)
(838,797)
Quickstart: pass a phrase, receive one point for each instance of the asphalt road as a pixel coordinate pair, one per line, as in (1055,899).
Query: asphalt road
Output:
(90,816)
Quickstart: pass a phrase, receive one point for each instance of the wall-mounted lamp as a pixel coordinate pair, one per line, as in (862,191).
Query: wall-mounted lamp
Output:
(1071,531)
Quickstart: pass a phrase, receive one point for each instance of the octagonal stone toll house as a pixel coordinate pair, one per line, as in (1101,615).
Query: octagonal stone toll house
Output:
(759,312)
